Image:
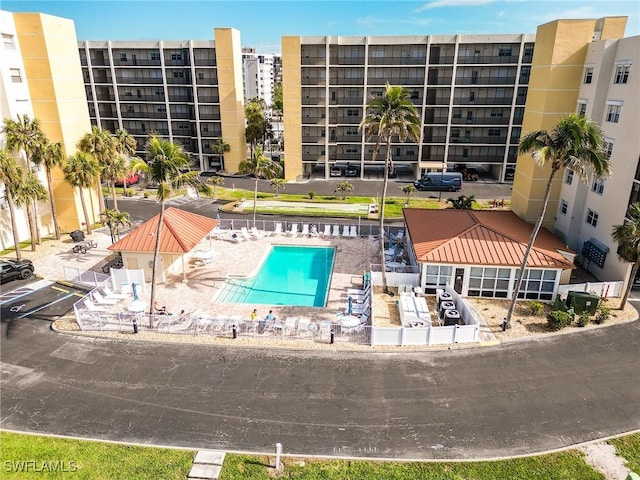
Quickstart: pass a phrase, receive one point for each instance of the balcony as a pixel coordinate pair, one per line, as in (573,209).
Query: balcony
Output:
(347,101)
(441,60)
(204,99)
(209,116)
(183,115)
(480,140)
(344,120)
(487,59)
(438,80)
(145,115)
(481,121)
(347,81)
(207,81)
(138,80)
(178,81)
(435,139)
(510,80)
(475,158)
(313,120)
(483,101)
(433,120)
(346,138)
(140,98)
(397,61)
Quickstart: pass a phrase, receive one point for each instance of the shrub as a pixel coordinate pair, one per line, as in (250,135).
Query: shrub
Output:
(602,314)
(312,195)
(128,192)
(536,308)
(558,319)
(390,201)
(146,194)
(583,320)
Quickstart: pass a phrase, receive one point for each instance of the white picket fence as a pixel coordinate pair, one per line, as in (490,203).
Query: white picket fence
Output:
(602,289)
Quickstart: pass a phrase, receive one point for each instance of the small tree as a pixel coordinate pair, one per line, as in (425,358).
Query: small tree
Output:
(278,184)
(627,236)
(462,202)
(220,147)
(345,188)
(102,146)
(259,166)
(409,191)
(216,181)
(115,220)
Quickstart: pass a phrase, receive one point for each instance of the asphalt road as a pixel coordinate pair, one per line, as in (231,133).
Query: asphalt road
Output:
(517,398)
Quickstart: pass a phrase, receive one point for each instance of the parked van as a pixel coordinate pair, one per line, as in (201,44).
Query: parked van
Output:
(449,181)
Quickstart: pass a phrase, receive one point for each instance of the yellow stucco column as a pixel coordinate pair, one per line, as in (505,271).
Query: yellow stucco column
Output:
(52,64)
(556,76)
(230,89)
(292,106)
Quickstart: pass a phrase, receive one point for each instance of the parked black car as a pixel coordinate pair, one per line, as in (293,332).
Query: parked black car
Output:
(13,269)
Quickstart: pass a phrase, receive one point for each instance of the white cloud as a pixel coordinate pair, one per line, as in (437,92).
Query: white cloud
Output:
(452,3)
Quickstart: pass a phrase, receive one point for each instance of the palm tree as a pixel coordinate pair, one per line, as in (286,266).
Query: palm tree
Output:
(628,237)
(391,115)
(27,193)
(116,169)
(409,191)
(165,165)
(114,219)
(462,202)
(574,143)
(11,175)
(344,188)
(216,181)
(125,145)
(50,155)
(278,184)
(220,147)
(25,134)
(259,166)
(102,145)
(81,171)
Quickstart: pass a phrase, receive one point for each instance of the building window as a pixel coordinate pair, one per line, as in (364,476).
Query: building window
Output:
(608,148)
(9,43)
(568,177)
(622,74)
(16,76)
(200,76)
(436,276)
(613,113)
(538,284)
(582,108)
(155,56)
(176,56)
(597,186)
(588,75)
(505,52)
(592,217)
(494,132)
(564,206)
(123,57)
(496,113)
(489,282)
(352,112)
(178,74)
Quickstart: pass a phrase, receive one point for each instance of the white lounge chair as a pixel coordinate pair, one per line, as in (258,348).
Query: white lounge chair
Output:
(353,232)
(294,230)
(278,229)
(100,300)
(255,233)
(327,231)
(245,233)
(336,231)
(305,230)
(93,307)
(345,231)
(233,236)
(111,294)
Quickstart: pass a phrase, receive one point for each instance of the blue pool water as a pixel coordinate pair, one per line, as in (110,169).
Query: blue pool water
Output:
(289,276)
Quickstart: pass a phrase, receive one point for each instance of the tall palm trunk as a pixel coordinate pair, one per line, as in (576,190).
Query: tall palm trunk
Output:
(52,203)
(84,210)
(113,193)
(32,225)
(100,195)
(255,200)
(384,199)
(156,251)
(532,240)
(36,221)
(627,291)
(14,225)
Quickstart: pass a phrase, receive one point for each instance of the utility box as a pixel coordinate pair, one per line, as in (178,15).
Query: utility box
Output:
(582,302)
(77,236)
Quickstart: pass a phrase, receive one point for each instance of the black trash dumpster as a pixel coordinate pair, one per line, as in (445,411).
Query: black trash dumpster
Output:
(77,236)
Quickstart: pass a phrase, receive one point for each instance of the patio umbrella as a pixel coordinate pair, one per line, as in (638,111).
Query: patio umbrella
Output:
(350,306)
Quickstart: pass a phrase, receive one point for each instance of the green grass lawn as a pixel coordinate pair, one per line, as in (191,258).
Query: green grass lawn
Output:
(91,460)
(560,466)
(96,460)
(629,448)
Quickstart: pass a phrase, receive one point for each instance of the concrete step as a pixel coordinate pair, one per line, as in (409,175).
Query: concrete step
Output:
(206,465)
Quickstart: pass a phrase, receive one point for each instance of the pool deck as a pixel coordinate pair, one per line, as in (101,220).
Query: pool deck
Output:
(197,294)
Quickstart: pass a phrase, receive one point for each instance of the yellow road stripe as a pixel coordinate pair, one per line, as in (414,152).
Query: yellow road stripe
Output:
(60,289)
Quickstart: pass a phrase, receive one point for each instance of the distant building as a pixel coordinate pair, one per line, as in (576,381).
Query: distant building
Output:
(260,72)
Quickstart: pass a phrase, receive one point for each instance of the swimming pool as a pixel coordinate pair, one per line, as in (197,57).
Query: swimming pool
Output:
(289,276)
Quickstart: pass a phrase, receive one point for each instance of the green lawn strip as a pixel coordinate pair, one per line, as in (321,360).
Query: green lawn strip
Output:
(629,448)
(92,460)
(559,466)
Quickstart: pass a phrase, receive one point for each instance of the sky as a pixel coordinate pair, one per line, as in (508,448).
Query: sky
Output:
(262,23)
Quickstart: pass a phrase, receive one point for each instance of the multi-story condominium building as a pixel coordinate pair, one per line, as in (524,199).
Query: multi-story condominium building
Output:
(40,77)
(469,90)
(189,92)
(610,82)
(259,73)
